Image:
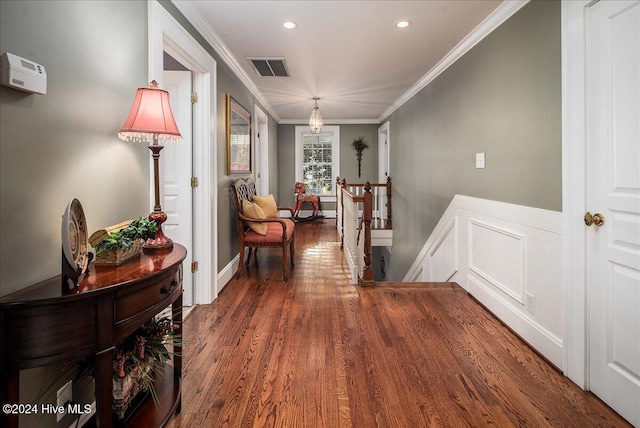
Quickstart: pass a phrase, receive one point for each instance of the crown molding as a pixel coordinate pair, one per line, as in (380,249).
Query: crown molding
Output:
(209,34)
(331,121)
(491,22)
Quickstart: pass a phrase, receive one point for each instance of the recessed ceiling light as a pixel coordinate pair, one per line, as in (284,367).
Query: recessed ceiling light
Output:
(290,25)
(403,24)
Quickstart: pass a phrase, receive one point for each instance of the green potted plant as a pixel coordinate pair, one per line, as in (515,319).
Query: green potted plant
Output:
(117,244)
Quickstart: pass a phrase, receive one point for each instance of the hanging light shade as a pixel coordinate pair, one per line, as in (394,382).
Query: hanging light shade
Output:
(315,122)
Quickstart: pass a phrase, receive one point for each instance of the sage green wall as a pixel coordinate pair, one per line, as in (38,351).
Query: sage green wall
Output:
(274,164)
(227,82)
(286,160)
(502,98)
(64,144)
(348,161)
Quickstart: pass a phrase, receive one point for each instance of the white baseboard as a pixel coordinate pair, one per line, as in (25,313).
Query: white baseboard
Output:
(227,273)
(325,213)
(381,237)
(507,256)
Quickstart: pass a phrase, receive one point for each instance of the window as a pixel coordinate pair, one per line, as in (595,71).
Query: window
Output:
(318,159)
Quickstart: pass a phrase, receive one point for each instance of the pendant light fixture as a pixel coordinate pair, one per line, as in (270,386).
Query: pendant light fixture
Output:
(315,122)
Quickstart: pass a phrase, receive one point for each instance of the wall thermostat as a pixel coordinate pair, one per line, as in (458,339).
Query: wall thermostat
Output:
(22,74)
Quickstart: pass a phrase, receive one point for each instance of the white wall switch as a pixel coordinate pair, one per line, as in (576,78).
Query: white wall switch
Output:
(479,160)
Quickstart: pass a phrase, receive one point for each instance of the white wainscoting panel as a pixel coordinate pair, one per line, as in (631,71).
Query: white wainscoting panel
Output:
(507,256)
(443,258)
(497,255)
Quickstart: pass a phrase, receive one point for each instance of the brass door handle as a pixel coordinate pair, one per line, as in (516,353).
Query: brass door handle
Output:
(597,219)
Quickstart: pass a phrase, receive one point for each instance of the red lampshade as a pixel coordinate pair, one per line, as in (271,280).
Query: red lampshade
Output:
(150,115)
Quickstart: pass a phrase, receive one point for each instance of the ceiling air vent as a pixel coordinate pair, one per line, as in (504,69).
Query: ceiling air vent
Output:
(270,67)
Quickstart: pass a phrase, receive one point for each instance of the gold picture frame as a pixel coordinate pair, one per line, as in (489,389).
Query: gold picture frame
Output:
(238,138)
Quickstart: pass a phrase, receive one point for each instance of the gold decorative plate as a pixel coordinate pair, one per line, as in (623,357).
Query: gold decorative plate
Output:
(75,243)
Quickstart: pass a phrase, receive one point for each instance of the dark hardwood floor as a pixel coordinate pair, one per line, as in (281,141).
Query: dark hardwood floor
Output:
(320,352)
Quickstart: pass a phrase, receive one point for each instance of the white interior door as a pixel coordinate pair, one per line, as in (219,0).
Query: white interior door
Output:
(383,153)
(176,173)
(613,170)
(384,148)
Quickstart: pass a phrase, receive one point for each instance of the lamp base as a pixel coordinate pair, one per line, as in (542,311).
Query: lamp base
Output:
(160,241)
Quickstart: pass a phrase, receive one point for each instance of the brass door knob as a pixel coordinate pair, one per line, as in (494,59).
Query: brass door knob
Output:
(597,219)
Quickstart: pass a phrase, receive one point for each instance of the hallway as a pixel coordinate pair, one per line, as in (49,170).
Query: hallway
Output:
(320,352)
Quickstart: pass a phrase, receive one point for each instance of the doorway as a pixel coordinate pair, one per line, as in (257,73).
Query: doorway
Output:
(384,152)
(261,144)
(384,148)
(167,35)
(176,172)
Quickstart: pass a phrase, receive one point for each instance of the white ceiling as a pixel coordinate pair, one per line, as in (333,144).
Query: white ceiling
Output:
(348,53)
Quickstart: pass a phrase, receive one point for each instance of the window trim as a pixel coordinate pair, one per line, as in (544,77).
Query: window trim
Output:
(335,156)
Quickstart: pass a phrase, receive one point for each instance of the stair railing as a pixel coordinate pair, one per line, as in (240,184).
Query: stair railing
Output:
(381,214)
(359,209)
(356,252)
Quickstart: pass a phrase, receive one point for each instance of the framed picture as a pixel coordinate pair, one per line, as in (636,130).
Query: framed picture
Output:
(238,138)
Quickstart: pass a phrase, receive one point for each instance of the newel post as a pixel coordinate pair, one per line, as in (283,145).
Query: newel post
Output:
(344,184)
(387,223)
(337,200)
(367,213)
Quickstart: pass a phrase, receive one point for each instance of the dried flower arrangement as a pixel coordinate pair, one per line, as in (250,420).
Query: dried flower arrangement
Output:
(140,357)
(136,361)
(359,144)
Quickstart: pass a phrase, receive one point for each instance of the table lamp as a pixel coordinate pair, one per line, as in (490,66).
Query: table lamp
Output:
(151,120)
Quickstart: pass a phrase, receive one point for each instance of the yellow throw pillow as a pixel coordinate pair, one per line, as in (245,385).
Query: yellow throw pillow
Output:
(268,205)
(252,210)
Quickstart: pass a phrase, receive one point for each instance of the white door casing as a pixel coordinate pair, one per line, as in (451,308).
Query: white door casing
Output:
(613,189)
(175,175)
(166,34)
(261,144)
(384,148)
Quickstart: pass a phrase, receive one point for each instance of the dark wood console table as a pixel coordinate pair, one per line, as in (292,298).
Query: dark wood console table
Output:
(43,324)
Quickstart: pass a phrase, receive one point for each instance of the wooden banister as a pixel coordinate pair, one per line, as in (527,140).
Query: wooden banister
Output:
(367,214)
(342,189)
(387,222)
(353,225)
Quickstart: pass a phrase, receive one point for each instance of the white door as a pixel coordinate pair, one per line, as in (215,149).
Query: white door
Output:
(384,148)
(613,183)
(176,171)
(383,153)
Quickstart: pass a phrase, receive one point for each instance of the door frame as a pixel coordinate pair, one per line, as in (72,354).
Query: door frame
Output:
(166,34)
(383,155)
(574,191)
(189,280)
(261,154)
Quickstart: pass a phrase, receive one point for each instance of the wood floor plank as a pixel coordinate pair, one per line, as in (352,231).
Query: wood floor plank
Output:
(319,352)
